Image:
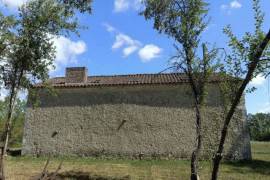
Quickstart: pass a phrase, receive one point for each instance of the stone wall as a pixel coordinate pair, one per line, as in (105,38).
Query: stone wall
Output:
(130,121)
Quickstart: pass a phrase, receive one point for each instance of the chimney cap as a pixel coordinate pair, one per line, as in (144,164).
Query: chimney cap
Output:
(76,68)
(76,74)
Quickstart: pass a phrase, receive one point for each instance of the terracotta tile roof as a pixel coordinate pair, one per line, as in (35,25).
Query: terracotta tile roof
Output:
(127,80)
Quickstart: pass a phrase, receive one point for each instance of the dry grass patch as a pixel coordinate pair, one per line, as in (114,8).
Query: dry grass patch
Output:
(21,168)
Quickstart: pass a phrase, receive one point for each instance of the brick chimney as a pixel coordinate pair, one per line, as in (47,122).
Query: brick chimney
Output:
(76,75)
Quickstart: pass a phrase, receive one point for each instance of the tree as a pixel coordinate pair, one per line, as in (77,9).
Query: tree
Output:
(259,127)
(72,5)
(17,119)
(185,21)
(27,50)
(248,57)
(5,23)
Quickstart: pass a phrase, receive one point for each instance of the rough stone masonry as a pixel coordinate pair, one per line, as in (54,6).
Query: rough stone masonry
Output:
(133,116)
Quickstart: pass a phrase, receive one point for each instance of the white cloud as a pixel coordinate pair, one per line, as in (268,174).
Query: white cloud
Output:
(12,3)
(137,4)
(67,50)
(129,45)
(235,4)
(124,5)
(121,5)
(258,80)
(66,53)
(149,52)
(123,41)
(265,108)
(129,50)
(109,28)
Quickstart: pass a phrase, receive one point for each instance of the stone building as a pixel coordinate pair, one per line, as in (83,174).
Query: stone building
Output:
(142,115)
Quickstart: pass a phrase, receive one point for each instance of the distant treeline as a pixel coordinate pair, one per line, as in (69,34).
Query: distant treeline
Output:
(259,126)
(18,121)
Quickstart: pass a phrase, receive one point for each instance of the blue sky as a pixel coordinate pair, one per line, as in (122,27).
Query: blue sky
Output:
(119,41)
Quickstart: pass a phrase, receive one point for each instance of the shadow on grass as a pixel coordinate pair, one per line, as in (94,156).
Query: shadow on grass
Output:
(256,166)
(85,176)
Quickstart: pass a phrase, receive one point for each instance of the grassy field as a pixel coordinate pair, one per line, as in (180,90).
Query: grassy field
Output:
(259,168)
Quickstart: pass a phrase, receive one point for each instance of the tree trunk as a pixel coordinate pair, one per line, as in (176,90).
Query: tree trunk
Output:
(251,69)
(196,94)
(9,119)
(196,152)
(12,99)
(7,132)
(2,174)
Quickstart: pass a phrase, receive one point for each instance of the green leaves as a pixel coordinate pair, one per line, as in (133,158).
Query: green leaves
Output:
(259,127)
(242,50)
(48,17)
(26,46)
(258,16)
(72,5)
(6,23)
(245,59)
(184,21)
(179,19)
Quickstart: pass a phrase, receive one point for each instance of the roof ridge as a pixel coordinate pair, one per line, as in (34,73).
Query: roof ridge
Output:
(128,79)
(142,74)
(126,75)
